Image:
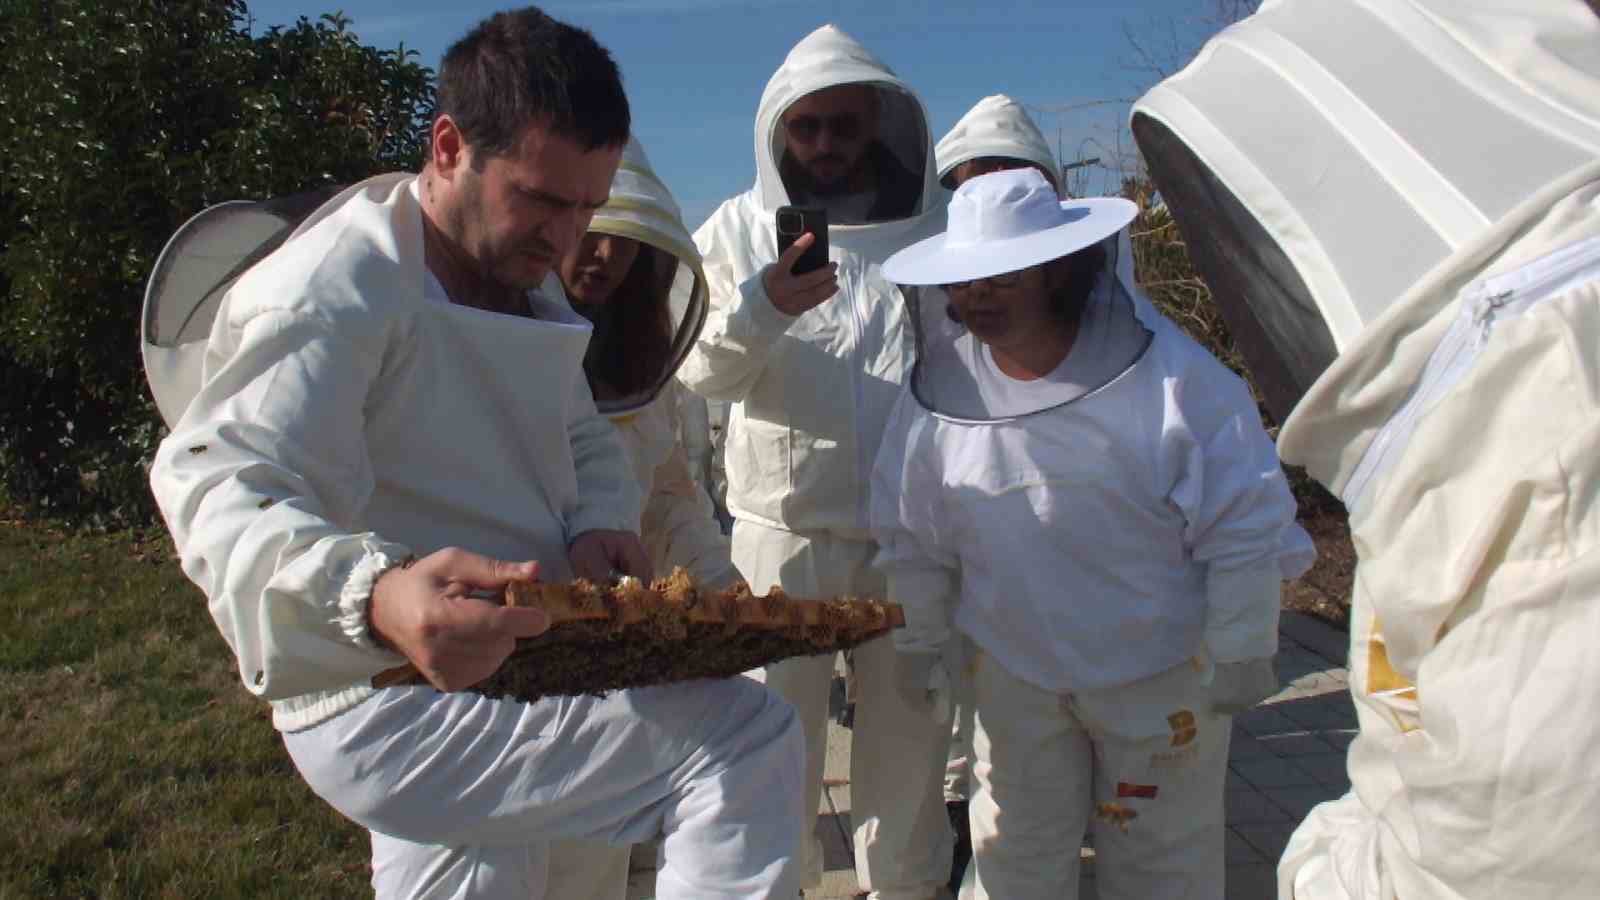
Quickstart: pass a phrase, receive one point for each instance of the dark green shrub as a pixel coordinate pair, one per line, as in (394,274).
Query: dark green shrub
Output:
(118,121)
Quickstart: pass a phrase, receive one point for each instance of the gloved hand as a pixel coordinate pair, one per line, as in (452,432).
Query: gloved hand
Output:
(1237,686)
(923,680)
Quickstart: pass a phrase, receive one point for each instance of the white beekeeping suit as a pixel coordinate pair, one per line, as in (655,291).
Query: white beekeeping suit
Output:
(996,127)
(1110,536)
(1414,230)
(318,438)
(809,395)
(678,526)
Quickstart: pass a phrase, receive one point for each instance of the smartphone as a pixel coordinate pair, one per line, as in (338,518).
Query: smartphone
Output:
(794,221)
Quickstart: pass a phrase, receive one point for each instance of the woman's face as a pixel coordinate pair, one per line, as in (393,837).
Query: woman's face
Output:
(592,272)
(1011,311)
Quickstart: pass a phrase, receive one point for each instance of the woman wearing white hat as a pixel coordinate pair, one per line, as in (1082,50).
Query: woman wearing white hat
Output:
(1089,496)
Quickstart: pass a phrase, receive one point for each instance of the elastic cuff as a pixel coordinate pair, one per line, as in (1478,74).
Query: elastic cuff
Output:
(355,597)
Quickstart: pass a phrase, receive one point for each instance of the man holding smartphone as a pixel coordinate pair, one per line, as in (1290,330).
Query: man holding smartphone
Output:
(811,362)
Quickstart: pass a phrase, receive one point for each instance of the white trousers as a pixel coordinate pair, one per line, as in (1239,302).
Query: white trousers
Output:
(1044,762)
(963,721)
(463,793)
(897,754)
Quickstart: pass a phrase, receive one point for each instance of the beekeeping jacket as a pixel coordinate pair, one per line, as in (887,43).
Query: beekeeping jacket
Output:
(323,437)
(810,393)
(679,525)
(1096,526)
(1415,229)
(996,126)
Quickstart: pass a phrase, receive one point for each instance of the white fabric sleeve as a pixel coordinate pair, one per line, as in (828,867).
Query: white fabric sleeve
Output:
(257,483)
(680,526)
(1239,512)
(1224,476)
(741,328)
(609,498)
(905,517)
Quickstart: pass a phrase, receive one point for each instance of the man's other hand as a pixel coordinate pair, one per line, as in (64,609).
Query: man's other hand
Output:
(427,611)
(595,555)
(794,294)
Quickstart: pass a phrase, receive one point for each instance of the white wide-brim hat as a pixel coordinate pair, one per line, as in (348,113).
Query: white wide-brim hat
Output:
(1003,222)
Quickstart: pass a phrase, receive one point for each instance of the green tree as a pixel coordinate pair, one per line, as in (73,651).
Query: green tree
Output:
(121,120)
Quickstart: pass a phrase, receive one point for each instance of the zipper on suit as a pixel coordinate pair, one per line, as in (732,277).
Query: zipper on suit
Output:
(1482,304)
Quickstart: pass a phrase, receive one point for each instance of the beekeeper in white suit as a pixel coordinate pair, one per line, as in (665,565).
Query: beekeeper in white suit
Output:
(388,417)
(997,134)
(811,364)
(636,276)
(1411,203)
(1089,496)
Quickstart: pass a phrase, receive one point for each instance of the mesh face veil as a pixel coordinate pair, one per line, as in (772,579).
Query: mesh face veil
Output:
(200,262)
(1312,209)
(858,150)
(646,327)
(1020,275)
(956,377)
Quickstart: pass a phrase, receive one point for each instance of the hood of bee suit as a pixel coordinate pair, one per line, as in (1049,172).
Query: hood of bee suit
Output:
(826,58)
(640,207)
(195,269)
(1380,138)
(996,126)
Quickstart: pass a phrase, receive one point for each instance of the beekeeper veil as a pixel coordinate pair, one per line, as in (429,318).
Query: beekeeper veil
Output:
(838,130)
(646,318)
(200,262)
(969,281)
(1311,208)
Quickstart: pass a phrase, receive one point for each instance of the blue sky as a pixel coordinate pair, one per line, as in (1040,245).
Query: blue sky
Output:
(694,69)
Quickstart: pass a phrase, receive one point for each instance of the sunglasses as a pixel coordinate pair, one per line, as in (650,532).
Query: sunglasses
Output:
(995,282)
(844,126)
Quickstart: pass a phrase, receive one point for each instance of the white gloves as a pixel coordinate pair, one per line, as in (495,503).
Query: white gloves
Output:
(1235,687)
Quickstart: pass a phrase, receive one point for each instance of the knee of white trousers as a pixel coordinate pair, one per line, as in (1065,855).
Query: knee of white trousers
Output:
(405,870)
(735,831)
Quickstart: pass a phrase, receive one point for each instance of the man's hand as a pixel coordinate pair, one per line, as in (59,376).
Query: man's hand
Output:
(596,554)
(794,294)
(455,640)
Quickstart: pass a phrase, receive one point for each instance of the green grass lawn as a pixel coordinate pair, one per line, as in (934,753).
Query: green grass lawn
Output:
(133,763)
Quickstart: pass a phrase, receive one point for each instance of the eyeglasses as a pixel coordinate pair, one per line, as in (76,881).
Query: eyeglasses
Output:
(807,128)
(995,282)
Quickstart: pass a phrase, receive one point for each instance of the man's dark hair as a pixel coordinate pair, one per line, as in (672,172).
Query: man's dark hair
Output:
(522,67)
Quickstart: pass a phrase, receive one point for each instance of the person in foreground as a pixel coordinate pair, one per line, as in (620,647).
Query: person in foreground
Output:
(636,276)
(393,423)
(811,363)
(1089,496)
